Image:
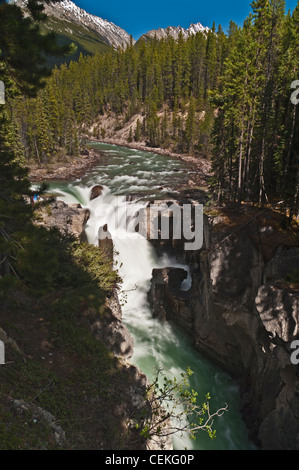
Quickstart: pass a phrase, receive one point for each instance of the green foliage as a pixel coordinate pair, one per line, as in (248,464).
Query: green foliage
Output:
(40,262)
(15,214)
(50,260)
(174,408)
(23,47)
(159,75)
(94,262)
(256,130)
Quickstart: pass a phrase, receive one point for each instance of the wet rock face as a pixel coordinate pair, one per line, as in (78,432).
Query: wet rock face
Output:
(243,315)
(167,299)
(279,312)
(255,318)
(232,266)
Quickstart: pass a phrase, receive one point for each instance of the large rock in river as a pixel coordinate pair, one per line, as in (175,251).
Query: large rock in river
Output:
(167,298)
(96,192)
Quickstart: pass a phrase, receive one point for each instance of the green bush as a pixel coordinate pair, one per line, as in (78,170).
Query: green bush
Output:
(50,260)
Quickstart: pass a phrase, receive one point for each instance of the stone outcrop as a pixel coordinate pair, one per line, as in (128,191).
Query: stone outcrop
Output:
(279,311)
(110,329)
(166,298)
(106,242)
(243,314)
(37,414)
(68,218)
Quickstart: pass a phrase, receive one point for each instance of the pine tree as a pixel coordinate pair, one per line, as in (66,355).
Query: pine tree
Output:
(22,60)
(190,130)
(138,131)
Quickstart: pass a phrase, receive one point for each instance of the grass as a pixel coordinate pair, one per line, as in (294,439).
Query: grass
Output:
(63,368)
(20,432)
(66,372)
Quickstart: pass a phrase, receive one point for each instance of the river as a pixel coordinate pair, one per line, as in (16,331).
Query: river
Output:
(125,172)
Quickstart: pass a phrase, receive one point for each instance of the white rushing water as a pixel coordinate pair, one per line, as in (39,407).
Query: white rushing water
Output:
(156,345)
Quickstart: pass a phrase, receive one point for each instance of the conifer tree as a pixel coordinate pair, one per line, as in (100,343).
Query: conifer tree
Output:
(22,50)
(190,131)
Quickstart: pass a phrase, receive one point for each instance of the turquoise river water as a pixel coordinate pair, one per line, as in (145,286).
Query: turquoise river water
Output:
(124,172)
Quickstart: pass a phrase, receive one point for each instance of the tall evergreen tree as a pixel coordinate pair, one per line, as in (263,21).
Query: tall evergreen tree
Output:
(22,49)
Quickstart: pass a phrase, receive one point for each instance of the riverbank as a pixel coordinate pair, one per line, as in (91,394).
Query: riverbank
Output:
(65,170)
(67,383)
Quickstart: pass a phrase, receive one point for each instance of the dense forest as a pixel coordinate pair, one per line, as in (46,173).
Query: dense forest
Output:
(225,97)
(46,280)
(53,286)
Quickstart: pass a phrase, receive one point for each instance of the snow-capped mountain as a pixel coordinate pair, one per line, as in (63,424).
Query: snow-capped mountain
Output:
(67,11)
(112,34)
(175,31)
(93,34)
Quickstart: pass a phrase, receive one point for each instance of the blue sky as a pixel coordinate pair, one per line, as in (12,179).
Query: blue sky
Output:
(138,17)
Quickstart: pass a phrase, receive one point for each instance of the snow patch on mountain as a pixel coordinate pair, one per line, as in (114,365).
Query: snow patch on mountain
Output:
(175,31)
(69,11)
(112,34)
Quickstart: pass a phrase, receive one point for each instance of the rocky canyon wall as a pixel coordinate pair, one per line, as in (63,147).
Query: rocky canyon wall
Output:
(243,314)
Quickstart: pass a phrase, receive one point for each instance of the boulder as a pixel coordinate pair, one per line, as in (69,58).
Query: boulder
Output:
(106,242)
(167,299)
(96,192)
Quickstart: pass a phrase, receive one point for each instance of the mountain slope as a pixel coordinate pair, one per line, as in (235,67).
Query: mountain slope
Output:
(109,33)
(89,33)
(87,42)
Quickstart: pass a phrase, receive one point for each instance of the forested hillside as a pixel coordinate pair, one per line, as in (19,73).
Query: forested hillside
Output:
(226,97)
(55,370)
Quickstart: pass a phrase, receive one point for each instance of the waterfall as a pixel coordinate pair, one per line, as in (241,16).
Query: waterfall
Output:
(156,345)
(124,173)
